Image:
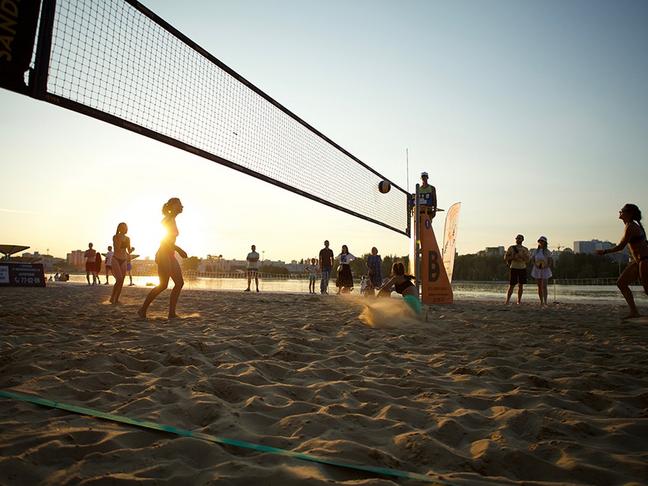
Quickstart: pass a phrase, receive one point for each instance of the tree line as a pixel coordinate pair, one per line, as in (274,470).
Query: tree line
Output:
(568,265)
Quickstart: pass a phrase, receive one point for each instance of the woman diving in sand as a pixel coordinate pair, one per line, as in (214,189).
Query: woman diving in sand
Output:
(168,266)
(403,285)
(635,237)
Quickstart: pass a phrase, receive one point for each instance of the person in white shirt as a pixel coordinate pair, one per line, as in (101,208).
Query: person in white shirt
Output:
(542,263)
(253,268)
(344,281)
(109,255)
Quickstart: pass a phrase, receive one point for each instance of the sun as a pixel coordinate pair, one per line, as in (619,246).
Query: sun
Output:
(144,220)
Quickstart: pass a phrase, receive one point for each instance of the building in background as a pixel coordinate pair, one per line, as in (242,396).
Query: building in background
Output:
(589,247)
(76,259)
(492,251)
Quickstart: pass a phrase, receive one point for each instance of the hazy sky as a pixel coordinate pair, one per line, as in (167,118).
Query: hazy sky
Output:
(533,114)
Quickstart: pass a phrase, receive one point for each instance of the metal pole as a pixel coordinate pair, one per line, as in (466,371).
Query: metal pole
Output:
(417,242)
(407,165)
(38,82)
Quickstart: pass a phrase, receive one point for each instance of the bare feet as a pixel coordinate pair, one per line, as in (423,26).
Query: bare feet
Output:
(632,315)
(174,316)
(141,313)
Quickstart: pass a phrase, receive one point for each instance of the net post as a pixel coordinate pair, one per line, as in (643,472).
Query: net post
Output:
(38,77)
(417,242)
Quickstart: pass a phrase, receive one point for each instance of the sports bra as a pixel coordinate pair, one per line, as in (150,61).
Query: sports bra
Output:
(633,240)
(400,288)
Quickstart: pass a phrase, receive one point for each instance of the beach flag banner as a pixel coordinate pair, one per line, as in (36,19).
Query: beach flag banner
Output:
(382,471)
(18,21)
(450,238)
(21,275)
(426,261)
(435,285)
(117,61)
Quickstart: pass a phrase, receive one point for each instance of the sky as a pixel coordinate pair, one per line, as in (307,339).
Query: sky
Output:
(534,115)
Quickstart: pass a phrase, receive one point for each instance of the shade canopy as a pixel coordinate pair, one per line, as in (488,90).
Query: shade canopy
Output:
(9,250)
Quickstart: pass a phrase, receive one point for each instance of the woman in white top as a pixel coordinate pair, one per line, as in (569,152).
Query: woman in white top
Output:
(542,263)
(344,281)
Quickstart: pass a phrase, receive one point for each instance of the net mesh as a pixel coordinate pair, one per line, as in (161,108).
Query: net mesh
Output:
(111,57)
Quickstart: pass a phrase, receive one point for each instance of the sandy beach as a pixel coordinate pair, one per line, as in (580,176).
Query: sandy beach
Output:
(482,393)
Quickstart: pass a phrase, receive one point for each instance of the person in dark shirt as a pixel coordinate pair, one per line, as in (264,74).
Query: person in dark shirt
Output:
(374,266)
(326,259)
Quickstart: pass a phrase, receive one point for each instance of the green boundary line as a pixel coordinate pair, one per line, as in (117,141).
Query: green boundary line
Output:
(219,440)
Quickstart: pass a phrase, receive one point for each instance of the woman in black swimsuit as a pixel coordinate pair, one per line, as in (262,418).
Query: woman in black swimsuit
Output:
(402,284)
(634,236)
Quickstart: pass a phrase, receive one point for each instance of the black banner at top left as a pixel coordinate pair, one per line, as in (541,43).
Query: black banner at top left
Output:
(18,20)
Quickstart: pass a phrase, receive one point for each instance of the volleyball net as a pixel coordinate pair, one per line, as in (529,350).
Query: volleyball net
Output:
(117,61)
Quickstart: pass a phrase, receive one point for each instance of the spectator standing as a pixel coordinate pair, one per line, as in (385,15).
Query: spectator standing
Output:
(374,266)
(108,263)
(312,275)
(542,263)
(89,256)
(326,259)
(129,268)
(97,270)
(344,281)
(252,268)
(517,258)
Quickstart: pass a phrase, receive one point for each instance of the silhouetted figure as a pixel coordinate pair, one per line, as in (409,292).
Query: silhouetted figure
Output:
(252,268)
(168,266)
(635,237)
(121,243)
(326,259)
(89,256)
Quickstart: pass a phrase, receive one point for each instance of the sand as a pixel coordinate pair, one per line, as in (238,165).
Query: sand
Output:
(481,394)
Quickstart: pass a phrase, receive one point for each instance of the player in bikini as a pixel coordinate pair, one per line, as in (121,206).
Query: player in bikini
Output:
(635,237)
(168,266)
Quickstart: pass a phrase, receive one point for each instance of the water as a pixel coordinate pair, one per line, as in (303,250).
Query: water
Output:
(465,290)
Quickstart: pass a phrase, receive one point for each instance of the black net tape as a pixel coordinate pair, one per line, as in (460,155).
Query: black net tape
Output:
(121,60)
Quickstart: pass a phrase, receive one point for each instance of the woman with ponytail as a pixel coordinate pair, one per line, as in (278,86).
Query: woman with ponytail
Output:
(635,237)
(168,266)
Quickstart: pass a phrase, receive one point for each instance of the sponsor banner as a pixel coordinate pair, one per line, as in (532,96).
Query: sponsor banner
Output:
(435,285)
(450,238)
(21,275)
(18,19)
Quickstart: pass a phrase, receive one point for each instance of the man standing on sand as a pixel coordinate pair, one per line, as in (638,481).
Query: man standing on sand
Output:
(90,255)
(326,259)
(109,255)
(253,268)
(517,257)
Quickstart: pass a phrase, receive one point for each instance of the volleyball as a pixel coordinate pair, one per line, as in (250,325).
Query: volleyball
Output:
(384,186)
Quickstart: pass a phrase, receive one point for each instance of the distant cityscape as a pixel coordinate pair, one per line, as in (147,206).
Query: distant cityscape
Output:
(218,264)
